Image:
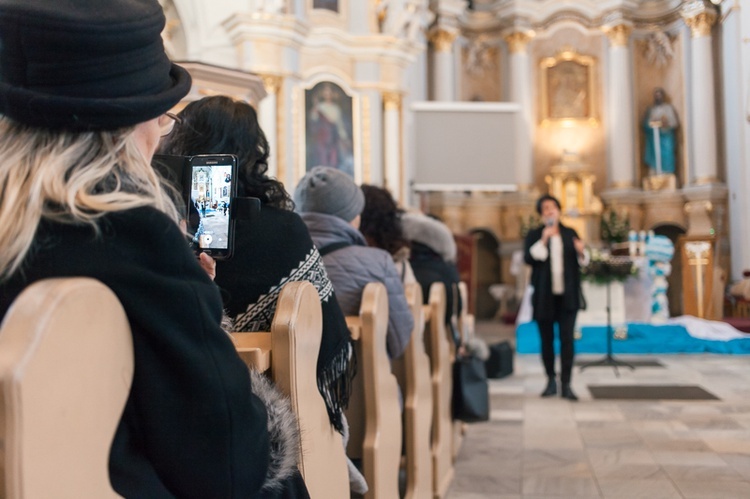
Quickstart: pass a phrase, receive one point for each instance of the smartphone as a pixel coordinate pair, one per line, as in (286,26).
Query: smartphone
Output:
(211,187)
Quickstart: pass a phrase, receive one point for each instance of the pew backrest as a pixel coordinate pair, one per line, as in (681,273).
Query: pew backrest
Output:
(290,350)
(380,446)
(438,349)
(66,366)
(417,403)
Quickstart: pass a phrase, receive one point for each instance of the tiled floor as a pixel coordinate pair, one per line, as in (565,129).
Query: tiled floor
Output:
(551,448)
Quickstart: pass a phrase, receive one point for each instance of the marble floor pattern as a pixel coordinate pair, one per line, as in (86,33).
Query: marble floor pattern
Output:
(536,448)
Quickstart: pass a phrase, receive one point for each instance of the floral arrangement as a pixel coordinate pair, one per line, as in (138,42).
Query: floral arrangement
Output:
(614,228)
(603,269)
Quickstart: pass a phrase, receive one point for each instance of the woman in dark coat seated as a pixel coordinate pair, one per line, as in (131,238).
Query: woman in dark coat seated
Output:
(271,248)
(80,198)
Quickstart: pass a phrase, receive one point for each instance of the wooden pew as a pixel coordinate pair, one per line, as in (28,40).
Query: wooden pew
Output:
(438,349)
(465,325)
(290,350)
(66,366)
(374,414)
(413,372)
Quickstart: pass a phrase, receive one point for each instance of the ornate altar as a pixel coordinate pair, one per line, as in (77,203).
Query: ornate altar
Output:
(574,187)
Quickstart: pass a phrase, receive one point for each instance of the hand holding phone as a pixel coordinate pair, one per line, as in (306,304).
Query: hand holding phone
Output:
(212,187)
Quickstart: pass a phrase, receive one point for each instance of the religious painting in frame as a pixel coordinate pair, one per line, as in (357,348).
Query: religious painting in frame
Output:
(568,89)
(330,128)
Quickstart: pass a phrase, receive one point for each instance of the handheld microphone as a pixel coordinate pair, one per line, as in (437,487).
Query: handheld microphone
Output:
(549,222)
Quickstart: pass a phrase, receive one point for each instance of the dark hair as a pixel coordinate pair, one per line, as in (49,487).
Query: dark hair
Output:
(381,220)
(544,198)
(222,125)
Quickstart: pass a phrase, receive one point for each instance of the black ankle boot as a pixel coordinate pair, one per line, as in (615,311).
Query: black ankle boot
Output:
(567,393)
(551,388)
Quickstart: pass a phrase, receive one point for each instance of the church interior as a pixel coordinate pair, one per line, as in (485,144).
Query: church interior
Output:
(585,76)
(633,114)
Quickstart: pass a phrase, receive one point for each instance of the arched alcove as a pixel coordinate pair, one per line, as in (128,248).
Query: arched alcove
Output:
(487,272)
(674,293)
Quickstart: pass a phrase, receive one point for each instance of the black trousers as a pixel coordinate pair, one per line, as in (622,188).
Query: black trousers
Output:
(566,319)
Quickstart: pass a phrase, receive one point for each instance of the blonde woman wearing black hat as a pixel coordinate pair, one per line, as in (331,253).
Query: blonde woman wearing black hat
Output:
(83,95)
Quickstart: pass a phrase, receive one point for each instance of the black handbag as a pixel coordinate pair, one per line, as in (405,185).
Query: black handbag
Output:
(471,398)
(500,363)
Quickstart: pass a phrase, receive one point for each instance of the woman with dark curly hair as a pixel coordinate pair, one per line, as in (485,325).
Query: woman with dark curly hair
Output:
(381,226)
(272,248)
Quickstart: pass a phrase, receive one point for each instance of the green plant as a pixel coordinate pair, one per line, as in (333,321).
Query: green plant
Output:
(604,269)
(614,228)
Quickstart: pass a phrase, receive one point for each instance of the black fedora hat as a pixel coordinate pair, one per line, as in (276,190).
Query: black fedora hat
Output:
(85,64)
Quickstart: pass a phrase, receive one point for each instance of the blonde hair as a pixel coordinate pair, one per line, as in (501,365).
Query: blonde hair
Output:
(68,177)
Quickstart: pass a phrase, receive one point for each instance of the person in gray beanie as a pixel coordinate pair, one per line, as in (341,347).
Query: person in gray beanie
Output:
(330,191)
(330,204)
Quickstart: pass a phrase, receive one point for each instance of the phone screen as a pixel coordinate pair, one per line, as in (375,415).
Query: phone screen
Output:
(212,188)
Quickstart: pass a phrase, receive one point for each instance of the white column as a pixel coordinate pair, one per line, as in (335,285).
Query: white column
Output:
(520,92)
(443,65)
(392,143)
(620,139)
(268,117)
(703,137)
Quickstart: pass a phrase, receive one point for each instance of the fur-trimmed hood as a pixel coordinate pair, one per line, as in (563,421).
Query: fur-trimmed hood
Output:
(283,433)
(430,232)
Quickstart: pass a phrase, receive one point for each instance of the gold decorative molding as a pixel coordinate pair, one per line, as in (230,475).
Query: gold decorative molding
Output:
(664,182)
(442,39)
(392,101)
(700,24)
(711,179)
(621,184)
(366,142)
(272,83)
(618,35)
(517,41)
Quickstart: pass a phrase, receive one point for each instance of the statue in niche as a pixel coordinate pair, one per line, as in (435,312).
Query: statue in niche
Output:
(658,49)
(404,18)
(660,124)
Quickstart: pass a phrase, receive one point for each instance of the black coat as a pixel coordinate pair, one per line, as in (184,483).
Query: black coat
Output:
(541,275)
(429,267)
(270,250)
(192,426)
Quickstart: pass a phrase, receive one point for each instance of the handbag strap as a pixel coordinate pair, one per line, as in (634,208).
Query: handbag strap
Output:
(330,248)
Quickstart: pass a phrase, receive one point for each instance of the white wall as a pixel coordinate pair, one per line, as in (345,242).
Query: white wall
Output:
(736,78)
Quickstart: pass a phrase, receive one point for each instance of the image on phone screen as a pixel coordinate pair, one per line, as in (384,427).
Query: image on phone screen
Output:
(208,210)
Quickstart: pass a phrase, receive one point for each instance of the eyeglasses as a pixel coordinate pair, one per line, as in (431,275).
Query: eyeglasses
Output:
(167,122)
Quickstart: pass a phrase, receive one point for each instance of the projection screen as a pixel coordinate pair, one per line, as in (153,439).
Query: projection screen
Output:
(465,146)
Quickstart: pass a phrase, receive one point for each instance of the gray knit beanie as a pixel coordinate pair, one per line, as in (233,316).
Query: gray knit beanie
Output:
(328,190)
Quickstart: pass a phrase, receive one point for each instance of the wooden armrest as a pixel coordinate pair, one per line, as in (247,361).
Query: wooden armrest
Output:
(355,326)
(254,349)
(426,313)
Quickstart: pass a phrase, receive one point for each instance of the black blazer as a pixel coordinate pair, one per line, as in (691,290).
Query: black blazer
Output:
(541,275)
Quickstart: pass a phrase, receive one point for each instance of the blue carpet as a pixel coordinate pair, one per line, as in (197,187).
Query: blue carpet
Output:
(642,338)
